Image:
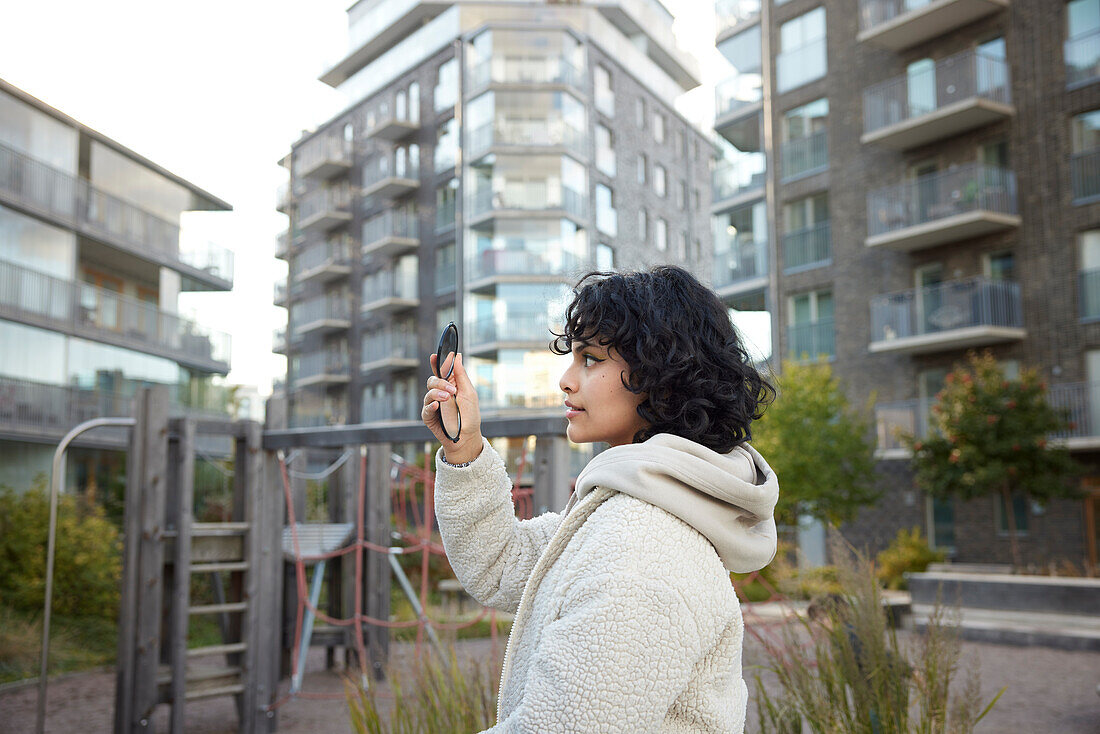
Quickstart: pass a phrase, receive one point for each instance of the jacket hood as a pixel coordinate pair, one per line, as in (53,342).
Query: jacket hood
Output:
(729,498)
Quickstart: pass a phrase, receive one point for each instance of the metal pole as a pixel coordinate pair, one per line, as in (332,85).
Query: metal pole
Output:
(57,485)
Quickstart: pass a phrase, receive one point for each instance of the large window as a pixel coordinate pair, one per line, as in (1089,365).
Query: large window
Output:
(745,84)
(605,150)
(35,245)
(37,135)
(810,330)
(445,197)
(446,146)
(606,217)
(805,139)
(661,235)
(741,244)
(807,240)
(526,247)
(446,85)
(1088,245)
(605,97)
(536,182)
(802,50)
(660,180)
(1082,48)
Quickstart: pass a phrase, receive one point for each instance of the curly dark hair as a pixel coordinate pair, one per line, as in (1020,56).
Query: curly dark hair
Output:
(684,353)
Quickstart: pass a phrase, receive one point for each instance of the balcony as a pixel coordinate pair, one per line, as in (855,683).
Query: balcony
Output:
(324,261)
(1082,56)
(283,199)
(1085,173)
(392,123)
(805,156)
(40,190)
(960,93)
(1081,403)
(327,367)
(446,277)
(738,103)
(323,314)
(521,198)
(486,266)
(902,24)
(323,157)
(514,332)
(538,135)
(389,291)
(960,203)
(536,69)
(960,314)
(730,15)
(390,408)
(83,310)
(278,340)
(391,175)
(741,269)
(811,341)
(387,349)
(280,293)
(807,248)
(324,209)
(737,182)
(282,245)
(392,233)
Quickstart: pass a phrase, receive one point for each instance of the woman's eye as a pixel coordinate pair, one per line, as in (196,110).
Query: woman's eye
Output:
(589,360)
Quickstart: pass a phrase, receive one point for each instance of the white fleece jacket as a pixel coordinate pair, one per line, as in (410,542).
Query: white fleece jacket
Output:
(625,618)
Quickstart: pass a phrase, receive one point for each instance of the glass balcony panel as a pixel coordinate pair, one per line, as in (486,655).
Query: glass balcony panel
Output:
(333,310)
(519,69)
(808,247)
(812,340)
(528,133)
(1082,58)
(971,75)
(322,156)
(400,167)
(746,260)
(323,364)
(385,344)
(729,14)
(959,190)
(390,284)
(736,93)
(901,24)
(801,65)
(529,195)
(805,156)
(946,307)
(517,327)
(325,208)
(741,177)
(334,254)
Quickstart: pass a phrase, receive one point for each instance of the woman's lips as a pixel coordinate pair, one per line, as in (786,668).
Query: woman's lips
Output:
(572,411)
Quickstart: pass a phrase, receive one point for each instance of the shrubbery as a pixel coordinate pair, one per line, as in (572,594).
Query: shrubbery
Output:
(88,562)
(908,553)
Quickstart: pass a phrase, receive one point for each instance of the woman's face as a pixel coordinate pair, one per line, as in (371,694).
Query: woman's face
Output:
(598,405)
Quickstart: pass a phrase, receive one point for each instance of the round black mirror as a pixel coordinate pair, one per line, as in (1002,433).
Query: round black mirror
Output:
(445,365)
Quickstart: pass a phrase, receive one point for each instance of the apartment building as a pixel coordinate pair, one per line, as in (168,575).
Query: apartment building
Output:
(91,269)
(490,153)
(905,183)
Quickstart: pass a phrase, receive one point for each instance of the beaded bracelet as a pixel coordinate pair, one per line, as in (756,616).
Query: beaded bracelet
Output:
(456,466)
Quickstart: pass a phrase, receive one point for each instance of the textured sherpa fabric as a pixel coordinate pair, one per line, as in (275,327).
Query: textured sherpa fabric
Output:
(625,618)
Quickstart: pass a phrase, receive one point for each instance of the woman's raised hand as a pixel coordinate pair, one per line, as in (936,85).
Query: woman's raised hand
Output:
(459,388)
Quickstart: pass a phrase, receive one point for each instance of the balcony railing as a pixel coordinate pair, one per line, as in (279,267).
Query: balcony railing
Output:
(1082,55)
(535,69)
(733,179)
(280,293)
(729,14)
(805,156)
(392,174)
(978,308)
(387,344)
(1085,172)
(515,328)
(389,284)
(323,156)
(331,257)
(530,195)
(739,92)
(325,208)
(85,310)
(392,224)
(901,24)
(808,247)
(446,277)
(392,121)
(1088,288)
(278,340)
(532,133)
(390,408)
(745,261)
(811,341)
(937,196)
(111,220)
(329,311)
(322,365)
(492,263)
(893,110)
(801,65)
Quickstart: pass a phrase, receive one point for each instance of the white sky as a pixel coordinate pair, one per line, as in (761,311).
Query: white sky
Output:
(216,92)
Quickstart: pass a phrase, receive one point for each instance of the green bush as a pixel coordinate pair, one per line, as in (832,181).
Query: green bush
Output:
(88,561)
(811,582)
(909,552)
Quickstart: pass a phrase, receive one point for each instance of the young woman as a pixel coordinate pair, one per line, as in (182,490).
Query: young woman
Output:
(625,618)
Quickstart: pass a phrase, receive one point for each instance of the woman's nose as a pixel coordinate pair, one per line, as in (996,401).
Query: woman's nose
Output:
(566,382)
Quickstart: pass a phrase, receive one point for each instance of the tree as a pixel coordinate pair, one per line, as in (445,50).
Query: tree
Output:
(818,445)
(989,435)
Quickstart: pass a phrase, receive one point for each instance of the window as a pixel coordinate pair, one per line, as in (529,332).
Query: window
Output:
(446,86)
(682,245)
(695,199)
(639,113)
(805,149)
(445,197)
(1088,244)
(807,238)
(994,154)
(740,244)
(605,257)
(1081,50)
(1085,164)
(802,57)
(681,144)
(605,150)
(606,217)
(1000,266)
(660,176)
(1019,513)
(810,325)
(605,97)
(446,146)
(681,195)
(445,269)
(662,235)
(643,164)
(643,226)
(659,127)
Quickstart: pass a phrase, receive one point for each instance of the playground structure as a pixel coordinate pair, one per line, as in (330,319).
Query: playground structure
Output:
(257,556)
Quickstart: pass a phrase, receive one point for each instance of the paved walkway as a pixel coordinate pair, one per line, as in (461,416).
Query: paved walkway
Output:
(1049,691)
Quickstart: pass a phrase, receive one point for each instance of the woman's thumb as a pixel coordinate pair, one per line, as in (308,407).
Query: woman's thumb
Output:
(461,378)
